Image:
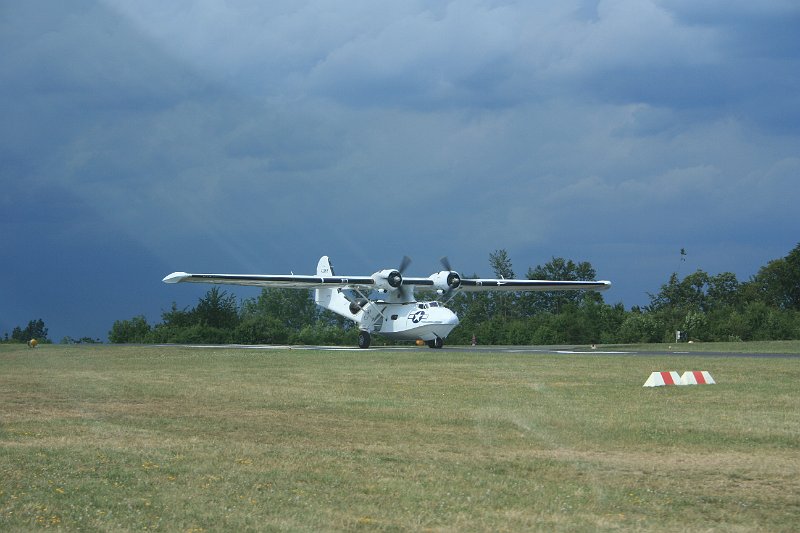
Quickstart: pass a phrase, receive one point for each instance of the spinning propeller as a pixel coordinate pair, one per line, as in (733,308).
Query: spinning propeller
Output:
(395,278)
(404,264)
(453,279)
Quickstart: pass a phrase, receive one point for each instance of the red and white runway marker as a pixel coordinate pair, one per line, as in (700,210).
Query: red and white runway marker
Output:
(692,377)
(660,379)
(697,377)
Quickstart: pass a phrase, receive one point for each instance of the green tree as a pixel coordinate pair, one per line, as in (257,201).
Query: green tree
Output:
(261,329)
(472,309)
(502,303)
(291,308)
(278,316)
(135,330)
(35,330)
(217,309)
(178,318)
(676,300)
(639,327)
(213,320)
(684,295)
(559,268)
(778,283)
(724,290)
(501,264)
(696,326)
(765,322)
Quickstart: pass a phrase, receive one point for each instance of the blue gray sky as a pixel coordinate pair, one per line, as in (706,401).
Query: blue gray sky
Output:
(140,138)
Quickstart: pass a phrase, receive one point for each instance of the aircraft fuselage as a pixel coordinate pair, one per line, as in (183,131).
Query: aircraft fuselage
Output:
(410,321)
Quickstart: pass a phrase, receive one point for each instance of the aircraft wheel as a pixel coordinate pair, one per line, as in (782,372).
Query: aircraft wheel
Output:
(363,339)
(436,343)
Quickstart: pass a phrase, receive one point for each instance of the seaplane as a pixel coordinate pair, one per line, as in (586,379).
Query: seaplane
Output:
(383,303)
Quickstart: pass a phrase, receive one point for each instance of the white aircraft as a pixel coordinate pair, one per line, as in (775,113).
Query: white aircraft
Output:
(397,315)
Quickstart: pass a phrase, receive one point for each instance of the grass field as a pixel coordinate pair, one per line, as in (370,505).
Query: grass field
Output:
(178,439)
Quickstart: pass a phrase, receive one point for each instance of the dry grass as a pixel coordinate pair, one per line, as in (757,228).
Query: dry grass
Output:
(178,439)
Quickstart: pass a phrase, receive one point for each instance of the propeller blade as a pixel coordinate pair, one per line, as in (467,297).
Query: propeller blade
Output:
(450,293)
(404,264)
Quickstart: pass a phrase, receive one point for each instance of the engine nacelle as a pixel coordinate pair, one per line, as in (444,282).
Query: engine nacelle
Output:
(446,280)
(388,279)
(358,305)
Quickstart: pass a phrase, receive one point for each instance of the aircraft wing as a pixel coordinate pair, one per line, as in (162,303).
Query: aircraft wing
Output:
(423,282)
(287,281)
(519,285)
(295,281)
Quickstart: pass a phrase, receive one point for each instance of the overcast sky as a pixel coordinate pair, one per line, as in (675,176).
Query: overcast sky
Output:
(141,138)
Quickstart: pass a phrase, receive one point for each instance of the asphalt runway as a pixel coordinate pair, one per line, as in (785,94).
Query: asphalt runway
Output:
(533,350)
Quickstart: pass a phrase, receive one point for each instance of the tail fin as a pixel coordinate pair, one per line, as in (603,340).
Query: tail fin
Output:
(333,299)
(324,267)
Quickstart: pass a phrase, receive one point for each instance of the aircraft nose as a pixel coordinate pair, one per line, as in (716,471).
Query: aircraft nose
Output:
(451,319)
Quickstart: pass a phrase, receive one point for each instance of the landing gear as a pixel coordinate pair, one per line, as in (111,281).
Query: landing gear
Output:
(436,343)
(363,339)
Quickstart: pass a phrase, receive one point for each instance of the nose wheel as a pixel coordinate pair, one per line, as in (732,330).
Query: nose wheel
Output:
(436,343)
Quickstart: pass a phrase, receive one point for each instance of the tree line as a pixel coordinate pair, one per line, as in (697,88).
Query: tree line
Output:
(34,330)
(704,307)
(276,316)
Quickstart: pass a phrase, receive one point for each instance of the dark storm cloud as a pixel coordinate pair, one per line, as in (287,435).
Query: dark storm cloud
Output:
(141,138)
